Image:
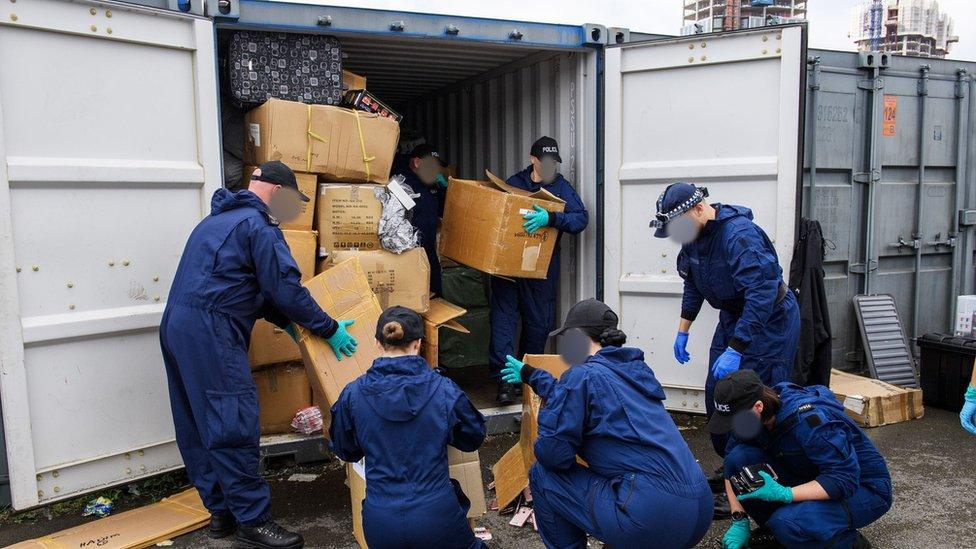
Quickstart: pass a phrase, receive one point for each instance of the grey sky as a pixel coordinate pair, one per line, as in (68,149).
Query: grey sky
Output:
(829,19)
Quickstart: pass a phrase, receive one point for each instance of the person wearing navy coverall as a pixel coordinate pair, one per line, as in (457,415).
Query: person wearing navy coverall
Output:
(728,261)
(421,171)
(235,269)
(401,415)
(534,301)
(832,479)
(641,486)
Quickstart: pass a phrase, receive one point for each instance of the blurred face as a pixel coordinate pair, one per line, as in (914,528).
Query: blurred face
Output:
(684,229)
(747,424)
(546,167)
(426,169)
(285,203)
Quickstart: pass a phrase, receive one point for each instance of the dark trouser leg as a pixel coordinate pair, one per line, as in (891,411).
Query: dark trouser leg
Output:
(561,508)
(538,300)
(719,344)
(504,317)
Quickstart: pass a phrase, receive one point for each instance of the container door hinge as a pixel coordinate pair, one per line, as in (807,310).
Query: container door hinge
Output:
(967,218)
(867,177)
(962,82)
(873,84)
(858,268)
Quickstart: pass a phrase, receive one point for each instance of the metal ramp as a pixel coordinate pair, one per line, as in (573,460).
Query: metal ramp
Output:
(886,347)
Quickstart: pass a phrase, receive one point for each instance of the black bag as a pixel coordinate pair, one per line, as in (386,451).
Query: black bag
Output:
(296,67)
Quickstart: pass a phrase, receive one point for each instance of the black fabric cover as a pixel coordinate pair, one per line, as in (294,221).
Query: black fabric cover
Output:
(812,365)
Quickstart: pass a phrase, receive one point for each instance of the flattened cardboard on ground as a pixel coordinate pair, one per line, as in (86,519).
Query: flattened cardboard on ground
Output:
(396,279)
(283,390)
(872,402)
(464,467)
(483,229)
(142,527)
(343,292)
(440,314)
(341,144)
(511,472)
(269,343)
(347,217)
(307,184)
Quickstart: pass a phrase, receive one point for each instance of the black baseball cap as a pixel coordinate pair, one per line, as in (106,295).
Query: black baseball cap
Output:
(676,199)
(545,146)
(277,173)
(409,320)
(589,313)
(735,393)
(424,150)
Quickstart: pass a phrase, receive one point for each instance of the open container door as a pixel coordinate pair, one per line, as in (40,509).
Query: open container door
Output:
(109,154)
(719,110)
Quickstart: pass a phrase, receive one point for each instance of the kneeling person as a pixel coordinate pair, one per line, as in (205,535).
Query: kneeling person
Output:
(831,478)
(401,415)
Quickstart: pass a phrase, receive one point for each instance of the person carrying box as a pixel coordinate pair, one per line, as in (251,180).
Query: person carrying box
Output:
(423,174)
(235,269)
(534,301)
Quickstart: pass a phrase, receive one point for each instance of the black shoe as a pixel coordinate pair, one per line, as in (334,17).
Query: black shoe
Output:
(267,536)
(722,510)
(763,538)
(222,525)
(506,394)
(716,480)
(861,542)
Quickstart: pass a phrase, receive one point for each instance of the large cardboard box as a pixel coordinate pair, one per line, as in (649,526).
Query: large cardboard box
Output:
(269,343)
(307,183)
(282,391)
(872,402)
(464,467)
(440,314)
(342,291)
(341,144)
(511,472)
(347,218)
(396,279)
(483,228)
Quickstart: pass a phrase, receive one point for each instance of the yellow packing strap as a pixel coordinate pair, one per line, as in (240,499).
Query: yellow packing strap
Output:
(362,143)
(311,135)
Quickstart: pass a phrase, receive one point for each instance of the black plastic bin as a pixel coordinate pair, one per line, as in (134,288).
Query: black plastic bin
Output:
(946,368)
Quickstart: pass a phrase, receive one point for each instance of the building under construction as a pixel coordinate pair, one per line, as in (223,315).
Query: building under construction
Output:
(902,27)
(720,15)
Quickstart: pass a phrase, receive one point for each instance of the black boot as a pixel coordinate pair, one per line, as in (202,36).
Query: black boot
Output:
(716,480)
(222,525)
(505,394)
(861,542)
(268,535)
(722,510)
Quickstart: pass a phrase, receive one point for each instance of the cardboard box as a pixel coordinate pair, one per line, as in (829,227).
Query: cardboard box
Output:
(342,291)
(353,81)
(282,391)
(511,472)
(365,101)
(396,279)
(872,402)
(269,343)
(348,218)
(465,467)
(441,314)
(307,183)
(341,144)
(483,228)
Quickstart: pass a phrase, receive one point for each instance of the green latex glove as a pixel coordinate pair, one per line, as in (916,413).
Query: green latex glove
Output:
(967,416)
(770,491)
(341,342)
(535,220)
(512,372)
(737,536)
(441,181)
(290,330)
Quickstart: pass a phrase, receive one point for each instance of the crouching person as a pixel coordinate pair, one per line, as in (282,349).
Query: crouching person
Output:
(641,486)
(401,415)
(830,482)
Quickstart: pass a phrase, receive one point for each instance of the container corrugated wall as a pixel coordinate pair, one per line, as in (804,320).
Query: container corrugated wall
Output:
(847,107)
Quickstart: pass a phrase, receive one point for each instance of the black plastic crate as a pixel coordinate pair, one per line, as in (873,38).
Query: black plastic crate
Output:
(946,367)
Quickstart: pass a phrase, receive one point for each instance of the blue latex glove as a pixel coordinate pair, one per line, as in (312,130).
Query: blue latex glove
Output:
(290,330)
(512,372)
(770,491)
(341,342)
(737,536)
(968,414)
(535,220)
(441,181)
(680,350)
(727,363)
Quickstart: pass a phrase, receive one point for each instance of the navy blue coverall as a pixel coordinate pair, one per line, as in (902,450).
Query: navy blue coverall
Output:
(814,439)
(642,486)
(401,415)
(534,301)
(733,266)
(235,268)
(424,216)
